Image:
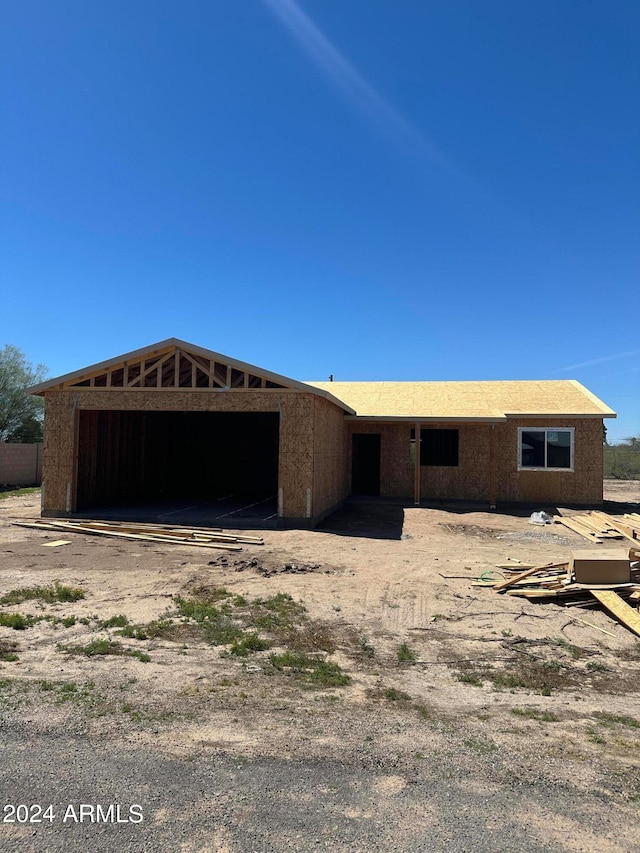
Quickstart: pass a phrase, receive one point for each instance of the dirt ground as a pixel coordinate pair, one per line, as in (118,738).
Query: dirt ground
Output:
(507,692)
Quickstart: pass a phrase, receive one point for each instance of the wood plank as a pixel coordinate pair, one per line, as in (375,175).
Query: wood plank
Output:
(182,528)
(577,528)
(591,625)
(136,527)
(623,529)
(629,617)
(176,369)
(416,472)
(526,574)
(148,538)
(181,534)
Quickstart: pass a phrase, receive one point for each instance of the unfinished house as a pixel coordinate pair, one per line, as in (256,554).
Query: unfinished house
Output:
(176,432)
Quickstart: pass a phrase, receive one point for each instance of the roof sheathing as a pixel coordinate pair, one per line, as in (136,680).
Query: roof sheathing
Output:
(480,401)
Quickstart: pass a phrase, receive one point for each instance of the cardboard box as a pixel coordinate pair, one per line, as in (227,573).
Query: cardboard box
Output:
(611,565)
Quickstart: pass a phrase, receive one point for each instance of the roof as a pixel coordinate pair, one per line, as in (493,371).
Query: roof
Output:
(170,344)
(416,401)
(467,401)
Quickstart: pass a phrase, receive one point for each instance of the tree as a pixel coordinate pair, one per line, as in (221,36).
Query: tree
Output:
(21,415)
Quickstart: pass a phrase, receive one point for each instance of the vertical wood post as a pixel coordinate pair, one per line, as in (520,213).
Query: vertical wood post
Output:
(176,370)
(416,480)
(492,467)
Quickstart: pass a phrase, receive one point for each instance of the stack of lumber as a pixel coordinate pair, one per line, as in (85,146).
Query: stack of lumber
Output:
(203,537)
(597,526)
(554,581)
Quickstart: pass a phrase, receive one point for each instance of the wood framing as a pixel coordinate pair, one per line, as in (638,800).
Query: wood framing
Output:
(152,421)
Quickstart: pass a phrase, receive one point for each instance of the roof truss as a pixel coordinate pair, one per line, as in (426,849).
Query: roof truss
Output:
(173,367)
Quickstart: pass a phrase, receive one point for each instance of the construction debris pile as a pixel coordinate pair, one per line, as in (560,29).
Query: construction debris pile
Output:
(607,576)
(202,537)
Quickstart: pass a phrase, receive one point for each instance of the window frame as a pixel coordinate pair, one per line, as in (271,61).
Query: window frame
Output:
(545,430)
(423,432)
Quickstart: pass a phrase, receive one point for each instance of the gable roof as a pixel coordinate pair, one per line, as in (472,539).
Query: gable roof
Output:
(174,363)
(468,401)
(150,359)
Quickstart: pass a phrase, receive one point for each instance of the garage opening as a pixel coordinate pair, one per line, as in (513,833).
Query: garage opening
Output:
(172,463)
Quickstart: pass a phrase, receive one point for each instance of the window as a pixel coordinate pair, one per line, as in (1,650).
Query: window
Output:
(437,447)
(545,449)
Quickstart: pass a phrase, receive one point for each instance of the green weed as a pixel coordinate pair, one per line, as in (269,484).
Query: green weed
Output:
(100,647)
(395,695)
(7,651)
(481,746)
(49,594)
(535,714)
(117,621)
(405,654)
(16,621)
(312,670)
(604,718)
(12,493)
(469,677)
(365,647)
(248,643)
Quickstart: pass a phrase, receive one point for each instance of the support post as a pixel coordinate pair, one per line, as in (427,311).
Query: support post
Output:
(416,479)
(492,467)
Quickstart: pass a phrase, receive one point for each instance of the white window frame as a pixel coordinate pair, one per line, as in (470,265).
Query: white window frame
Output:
(546,429)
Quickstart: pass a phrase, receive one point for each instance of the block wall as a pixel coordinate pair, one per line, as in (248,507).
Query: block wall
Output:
(20,464)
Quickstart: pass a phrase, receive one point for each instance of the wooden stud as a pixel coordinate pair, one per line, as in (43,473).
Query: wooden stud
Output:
(207,371)
(492,467)
(176,369)
(416,473)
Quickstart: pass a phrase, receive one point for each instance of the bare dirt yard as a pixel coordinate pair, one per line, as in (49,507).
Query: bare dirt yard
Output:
(343,689)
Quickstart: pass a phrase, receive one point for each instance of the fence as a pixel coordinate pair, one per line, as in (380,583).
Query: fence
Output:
(20,464)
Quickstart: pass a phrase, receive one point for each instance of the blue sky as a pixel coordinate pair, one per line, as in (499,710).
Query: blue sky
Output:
(369,188)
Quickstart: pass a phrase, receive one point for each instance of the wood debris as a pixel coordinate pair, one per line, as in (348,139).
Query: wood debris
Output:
(202,537)
(556,582)
(597,526)
(619,608)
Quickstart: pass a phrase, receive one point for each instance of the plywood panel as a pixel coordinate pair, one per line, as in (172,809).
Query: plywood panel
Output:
(295,472)
(330,480)
(581,486)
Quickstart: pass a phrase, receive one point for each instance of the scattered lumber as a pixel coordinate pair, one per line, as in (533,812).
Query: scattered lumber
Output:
(202,537)
(629,617)
(556,582)
(504,584)
(597,526)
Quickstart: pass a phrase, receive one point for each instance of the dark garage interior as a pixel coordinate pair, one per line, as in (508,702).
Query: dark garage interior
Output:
(130,458)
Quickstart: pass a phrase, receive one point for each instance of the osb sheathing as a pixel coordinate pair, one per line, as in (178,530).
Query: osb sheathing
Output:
(315,450)
(451,400)
(396,469)
(471,479)
(468,481)
(295,473)
(331,483)
(583,485)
